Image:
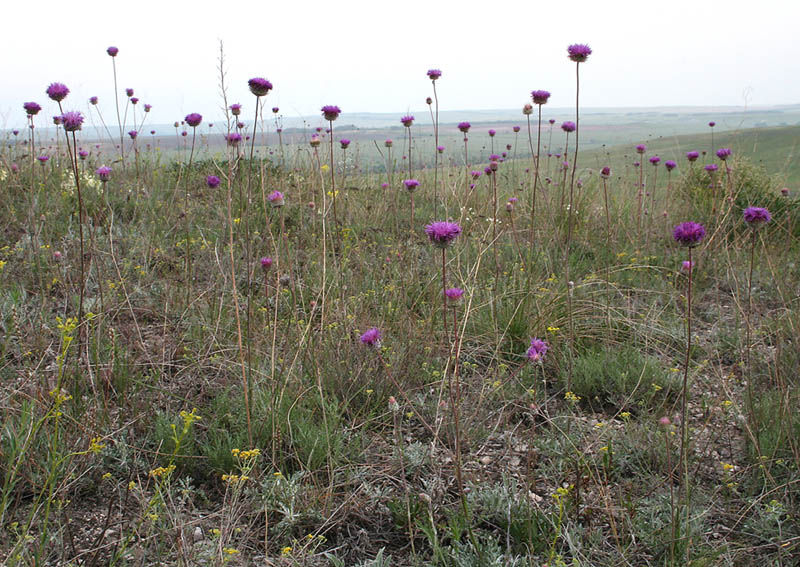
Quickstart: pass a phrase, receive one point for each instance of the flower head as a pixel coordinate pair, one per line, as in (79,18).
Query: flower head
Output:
(331,112)
(689,233)
(83,154)
(407,121)
(692,155)
(43,159)
(579,52)
(568,126)
(655,160)
(72,121)
(454,294)
(686,266)
(492,132)
(464,126)
(276,199)
(57,120)
(440,149)
(516,129)
(670,165)
(275,110)
(93,100)
(194,119)
(605,173)
(411,184)
(31,108)
(442,233)
(236,109)
(233,138)
(756,216)
(129,92)
(372,337)
(723,153)
(57,91)
(712,124)
(388,143)
(148,107)
(540,97)
(259,86)
(266,263)
(537,350)
(315,141)
(103,173)
(112,51)
(641,148)
(213,181)
(344,143)
(711,168)
(134,100)
(527,110)
(434,74)
(133,134)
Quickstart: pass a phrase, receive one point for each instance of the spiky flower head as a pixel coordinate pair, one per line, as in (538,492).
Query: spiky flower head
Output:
(72,121)
(266,263)
(57,120)
(434,74)
(57,91)
(568,126)
(641,148)
(129,92)
(194,119)
(112,51)
(388,143)
(492,132)
(233,139)
(236,109)
(372,338)
(275,110)
(712,124)
(711,168)
(43,159)
(133,134)
(692,155)
(276,199)
(655,160)
(212,181)
(134,100)
(723,153)
(527,110)
(93,100)
(103,173)
(540,97)
(331,112)
(407,121)
(464,126)
(411,184)
(537,350)
(686,266)
(516,129)
(454,294)
(442,233)
(579,52)
(605,173)
(149,107)
(670,165)
(756,216)
(315,141)
(689,233)
(344,143)
(475,174)
(32,108)
(259,86)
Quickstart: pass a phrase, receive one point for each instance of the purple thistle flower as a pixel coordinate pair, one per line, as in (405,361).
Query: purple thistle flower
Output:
(259,86)
(194,119)
(723,153)
(129,92)
(93,100)
(266,263)
(641,148)
(32,108)
(384,185)
(212,181)
(579,52)
(693,155)
(388,143)
(686,266)
(72,121)
(568,126)
(276,199)
(83,154)
(454,294)
(148,107)
(133,134)
(134,100)
(331,112)
(103,173)
(407,120)
(112,51)
(153,132)
(540,97)
(57,120)
(711,168)
(516,129)
(492,132)
(655,160)
(605,173)
(57,91)
(537,350)
(712,124)
(494,157)
(275,110)
(442,233)
(440,149)
(372,338)
(756,216)
(487,170)
(527,109)
(411,184)
(236,109)
(15,132)
(233,138)
(552,121)
(314,141)
(689,233)
(464,126)
(670,165)
(344,142)
(434,74)
(475,174)
(43,159)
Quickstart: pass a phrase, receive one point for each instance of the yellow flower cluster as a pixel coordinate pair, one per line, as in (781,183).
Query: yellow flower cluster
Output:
(160,472)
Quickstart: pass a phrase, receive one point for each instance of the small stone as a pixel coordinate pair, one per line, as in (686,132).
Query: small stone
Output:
(198,534)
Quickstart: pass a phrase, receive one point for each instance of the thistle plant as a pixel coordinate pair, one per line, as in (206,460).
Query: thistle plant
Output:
(434,75)
(539,98)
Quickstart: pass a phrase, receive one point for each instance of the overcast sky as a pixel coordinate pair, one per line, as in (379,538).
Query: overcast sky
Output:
(372,55)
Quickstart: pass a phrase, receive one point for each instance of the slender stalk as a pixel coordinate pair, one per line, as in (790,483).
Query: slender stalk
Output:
(569,225)
(683,466)
(119,117)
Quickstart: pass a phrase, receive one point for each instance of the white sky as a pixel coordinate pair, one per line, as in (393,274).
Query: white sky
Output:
(372,55)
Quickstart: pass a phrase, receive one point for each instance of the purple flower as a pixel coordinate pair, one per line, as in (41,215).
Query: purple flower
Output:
(579,52)
(212,181)
(407,120)
(276,199)
(133,134)
(464,126)
(129,92)
(43,159)
(153,132)
(16,133)
(712,124)
(552,121)
(488,170)
(723,153)
(134,100)
(72,121)
(440,149)
(259,86)
(194,119)
(540,97)
(388,143)
(492,132)
(112,51)
(372,337)
(315,141)
(516,129)
(93,100)
(475,174)
(344,142)
(434,74)
(641,148)
(605,173)
(103,173)
(784,191)
(454,294)
(266,263)
(670,165)
(57,91)
(689,233)
(331,112)
(148,107)
(527,110)
(693,155)
(756,216)
(411,184)
(384,185)
(31,108)
(568,126)
(442,233)
(686,266)
(275,110)
(233,138)
(655,160)
(711,168)
(57,120)
(236,109)
(537,350)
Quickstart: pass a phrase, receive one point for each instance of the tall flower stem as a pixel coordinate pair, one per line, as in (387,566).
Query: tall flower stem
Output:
(683,465)
(188,263)
(333,183)
(444,297)
(436,152)
(608,260)
(748,325)
(569,225)
(535,177)
(119,116)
